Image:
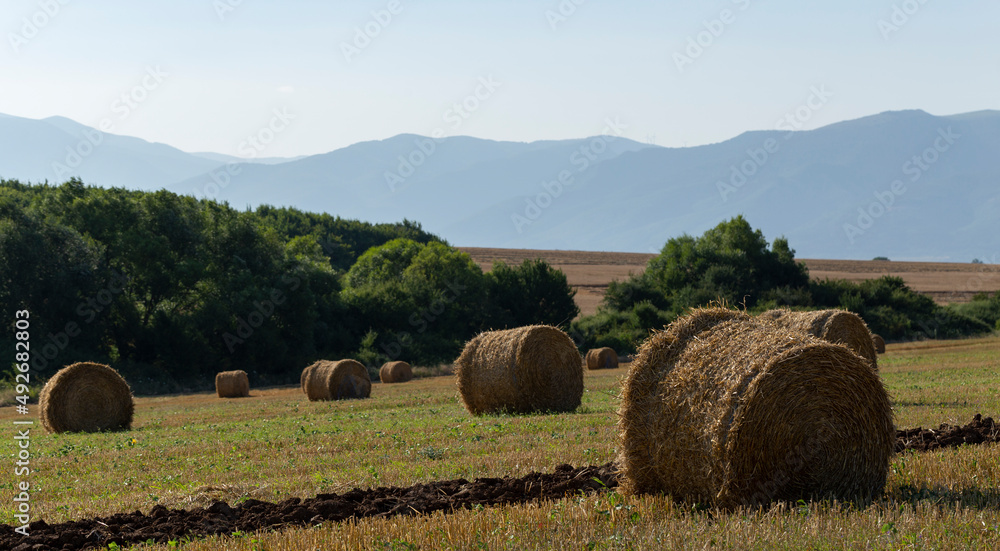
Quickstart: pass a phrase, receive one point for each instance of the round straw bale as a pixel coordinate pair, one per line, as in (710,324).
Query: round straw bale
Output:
(304,377)
(395,372)
(602,358)
(535,368)
(339,380)
(879,343)
(232,384)
(725,409)
(86,397)
(836,326)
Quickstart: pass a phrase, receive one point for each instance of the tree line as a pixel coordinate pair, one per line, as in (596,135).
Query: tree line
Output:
(170,290)
(733,263)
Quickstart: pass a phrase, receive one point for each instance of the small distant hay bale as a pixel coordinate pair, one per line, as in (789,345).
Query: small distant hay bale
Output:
(86,397)
(836,326)
(232,384)
(536,368)
(879,343)
(339,380)
(395,372)
(602,358)
(722,408)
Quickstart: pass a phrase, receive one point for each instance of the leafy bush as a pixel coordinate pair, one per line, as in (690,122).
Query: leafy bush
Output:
(532,293)
(732,262)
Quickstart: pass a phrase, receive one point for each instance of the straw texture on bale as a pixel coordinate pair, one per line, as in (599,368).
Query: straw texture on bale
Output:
(86,397)
(304,377)
(395,372)
(536,368)
(602,358)
(232,384)
(725,409)
(836,326)
(879,343)
(339,380)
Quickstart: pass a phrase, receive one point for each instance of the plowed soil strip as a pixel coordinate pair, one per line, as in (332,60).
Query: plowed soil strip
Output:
(162,524)
(979,431)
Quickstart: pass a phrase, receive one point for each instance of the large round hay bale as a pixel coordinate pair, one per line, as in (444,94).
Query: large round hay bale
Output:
(879,343)
(304,377)
(339,380)
(725,409)
(836,326)
(602,358)
(395,372)
(232,384)
(86,397)
(529,369)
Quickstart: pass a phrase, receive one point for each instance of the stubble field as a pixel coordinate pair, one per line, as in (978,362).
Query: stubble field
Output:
(186,451)
(590,272)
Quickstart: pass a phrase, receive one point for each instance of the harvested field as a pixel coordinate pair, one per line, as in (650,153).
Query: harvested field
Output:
(260,454)
(590,272)
(161,524)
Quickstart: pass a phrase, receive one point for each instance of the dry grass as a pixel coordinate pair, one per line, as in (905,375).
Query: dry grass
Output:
(189,449)
(614,522)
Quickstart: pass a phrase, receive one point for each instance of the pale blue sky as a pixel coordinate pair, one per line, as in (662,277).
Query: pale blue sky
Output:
(226,75)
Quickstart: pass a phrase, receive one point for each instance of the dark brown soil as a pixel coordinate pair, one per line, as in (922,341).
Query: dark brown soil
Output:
(162,524)
(979,431)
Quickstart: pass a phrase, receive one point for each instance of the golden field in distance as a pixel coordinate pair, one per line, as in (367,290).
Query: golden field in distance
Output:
(590,272)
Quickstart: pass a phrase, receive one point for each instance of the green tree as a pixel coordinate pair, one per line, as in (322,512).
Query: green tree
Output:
(51,271)
(731,261)
(532,293)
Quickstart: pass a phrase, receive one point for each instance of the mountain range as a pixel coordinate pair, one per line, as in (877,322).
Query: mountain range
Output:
(903,184)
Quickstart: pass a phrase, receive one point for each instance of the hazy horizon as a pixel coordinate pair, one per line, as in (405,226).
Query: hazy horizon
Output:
(204,75)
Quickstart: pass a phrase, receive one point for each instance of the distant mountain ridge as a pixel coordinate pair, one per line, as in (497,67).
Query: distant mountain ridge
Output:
(58,148)
(902,184)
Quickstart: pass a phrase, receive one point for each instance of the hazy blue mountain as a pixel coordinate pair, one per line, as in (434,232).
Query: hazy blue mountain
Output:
(223,158)
(807,186)
(904,184)
(809,189)
(57,148)
(436,182)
